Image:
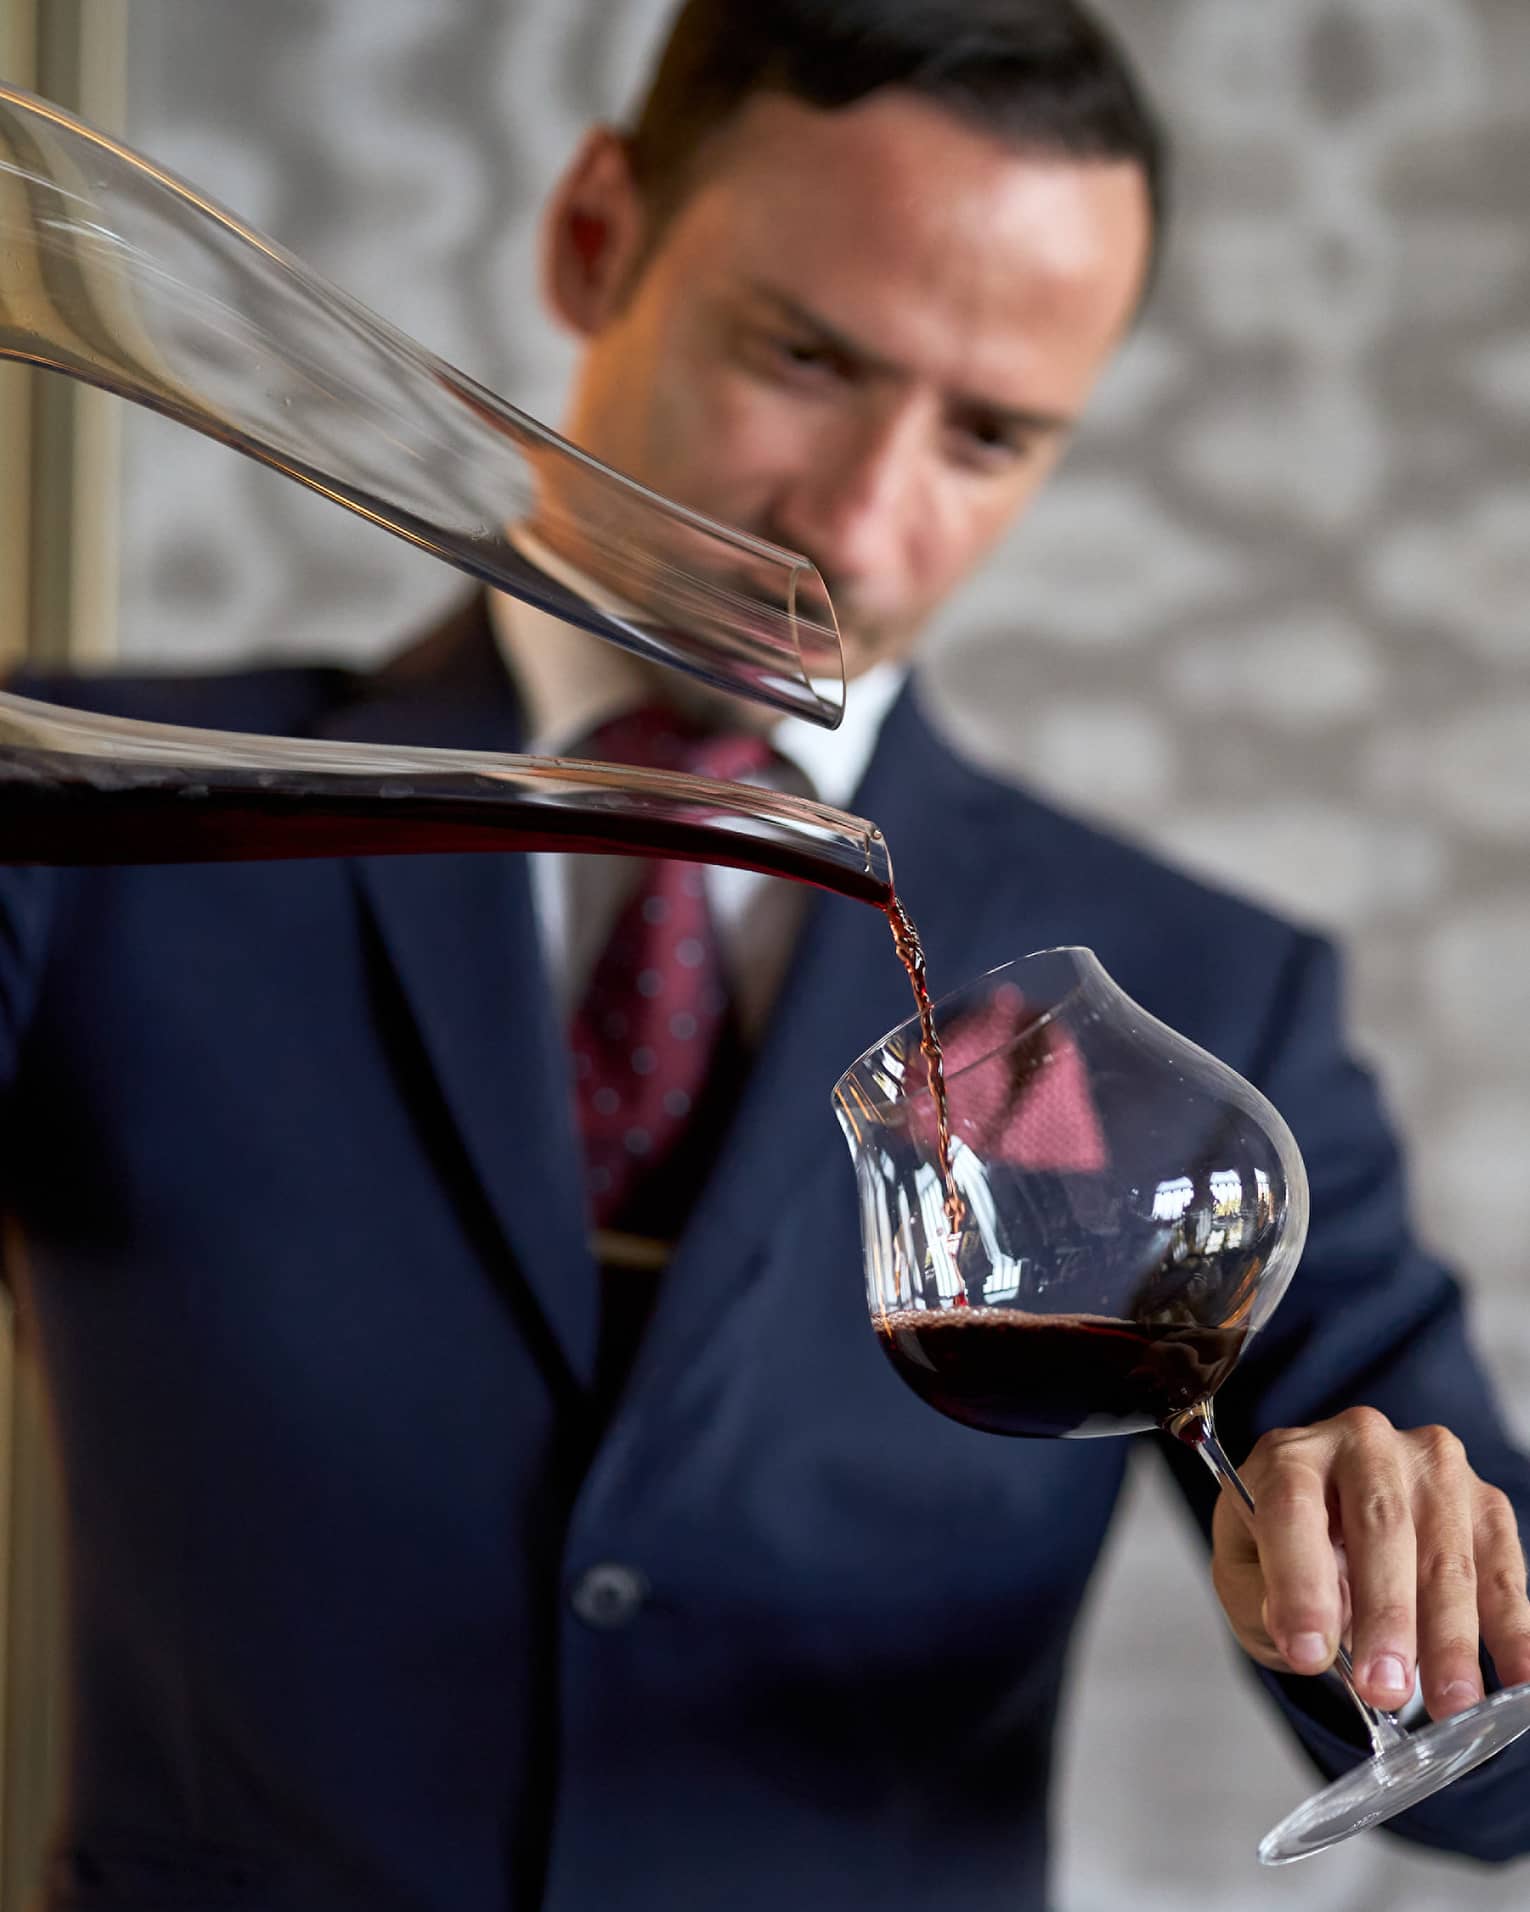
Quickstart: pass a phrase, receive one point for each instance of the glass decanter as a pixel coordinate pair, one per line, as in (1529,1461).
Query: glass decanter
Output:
(115,272)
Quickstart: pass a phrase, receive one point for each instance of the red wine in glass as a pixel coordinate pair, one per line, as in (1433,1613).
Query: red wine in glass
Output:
(1010,1372)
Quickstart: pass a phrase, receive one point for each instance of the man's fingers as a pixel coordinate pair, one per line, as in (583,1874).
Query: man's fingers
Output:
(1502,1606)
(1389,1538)
(1447,1576)
(1239,1580)
(1376,1518)
(1302,1608)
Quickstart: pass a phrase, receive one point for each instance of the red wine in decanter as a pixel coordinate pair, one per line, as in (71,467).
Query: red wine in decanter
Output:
(59,808)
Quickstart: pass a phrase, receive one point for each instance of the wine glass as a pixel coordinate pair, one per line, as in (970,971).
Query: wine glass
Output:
(1123,1213)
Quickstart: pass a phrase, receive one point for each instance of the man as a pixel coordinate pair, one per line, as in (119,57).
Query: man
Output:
(412,1564)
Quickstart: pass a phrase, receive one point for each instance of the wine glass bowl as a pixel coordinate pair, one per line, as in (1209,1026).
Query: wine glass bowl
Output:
(1131,1208)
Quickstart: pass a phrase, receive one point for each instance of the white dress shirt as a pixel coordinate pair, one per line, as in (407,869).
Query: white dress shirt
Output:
(569,683)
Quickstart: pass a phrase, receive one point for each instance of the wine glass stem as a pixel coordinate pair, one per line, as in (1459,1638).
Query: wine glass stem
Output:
(1383,1730)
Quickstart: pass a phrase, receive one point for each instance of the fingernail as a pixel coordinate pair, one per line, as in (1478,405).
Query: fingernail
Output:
(1307,1650)
(1459,1695)
(1389,1674)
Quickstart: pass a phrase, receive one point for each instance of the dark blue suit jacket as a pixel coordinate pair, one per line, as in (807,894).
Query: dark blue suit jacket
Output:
(291,1149)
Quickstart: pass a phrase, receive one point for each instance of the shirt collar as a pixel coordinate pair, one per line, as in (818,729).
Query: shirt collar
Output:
(571,681)
(834,761)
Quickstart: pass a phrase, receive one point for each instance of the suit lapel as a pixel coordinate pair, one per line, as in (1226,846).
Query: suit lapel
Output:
(844,989)
(461,936)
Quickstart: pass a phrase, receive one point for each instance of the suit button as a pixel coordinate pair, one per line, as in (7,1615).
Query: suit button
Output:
(609,1596)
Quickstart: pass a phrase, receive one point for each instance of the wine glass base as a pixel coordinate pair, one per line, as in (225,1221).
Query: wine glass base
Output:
(1390,1782)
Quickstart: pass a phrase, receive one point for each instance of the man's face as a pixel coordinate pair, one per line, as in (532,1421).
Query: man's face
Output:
(864,335)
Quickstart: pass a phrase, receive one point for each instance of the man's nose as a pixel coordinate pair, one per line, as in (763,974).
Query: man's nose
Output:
(855,502)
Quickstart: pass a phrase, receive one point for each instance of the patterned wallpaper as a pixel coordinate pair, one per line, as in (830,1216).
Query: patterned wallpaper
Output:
(1271,616)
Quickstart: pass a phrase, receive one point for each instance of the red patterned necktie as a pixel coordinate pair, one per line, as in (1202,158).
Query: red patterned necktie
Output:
(653,1033)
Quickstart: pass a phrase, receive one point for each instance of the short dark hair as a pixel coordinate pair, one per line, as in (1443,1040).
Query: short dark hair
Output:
(1044,74)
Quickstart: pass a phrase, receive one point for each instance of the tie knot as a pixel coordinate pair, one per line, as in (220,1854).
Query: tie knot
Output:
(653,737)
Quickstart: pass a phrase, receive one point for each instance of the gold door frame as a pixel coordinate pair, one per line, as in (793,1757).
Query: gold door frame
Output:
(59,515)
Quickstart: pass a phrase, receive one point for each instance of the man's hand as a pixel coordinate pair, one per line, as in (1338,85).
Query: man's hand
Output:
(1385,1539)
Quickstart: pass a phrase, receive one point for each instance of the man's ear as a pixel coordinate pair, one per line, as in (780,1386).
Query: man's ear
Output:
(592,234)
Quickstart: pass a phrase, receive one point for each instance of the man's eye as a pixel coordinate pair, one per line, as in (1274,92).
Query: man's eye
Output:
(990,442)
(801,355)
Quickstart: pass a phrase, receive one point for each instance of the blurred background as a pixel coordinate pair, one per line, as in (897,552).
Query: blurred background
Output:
(1271,618)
